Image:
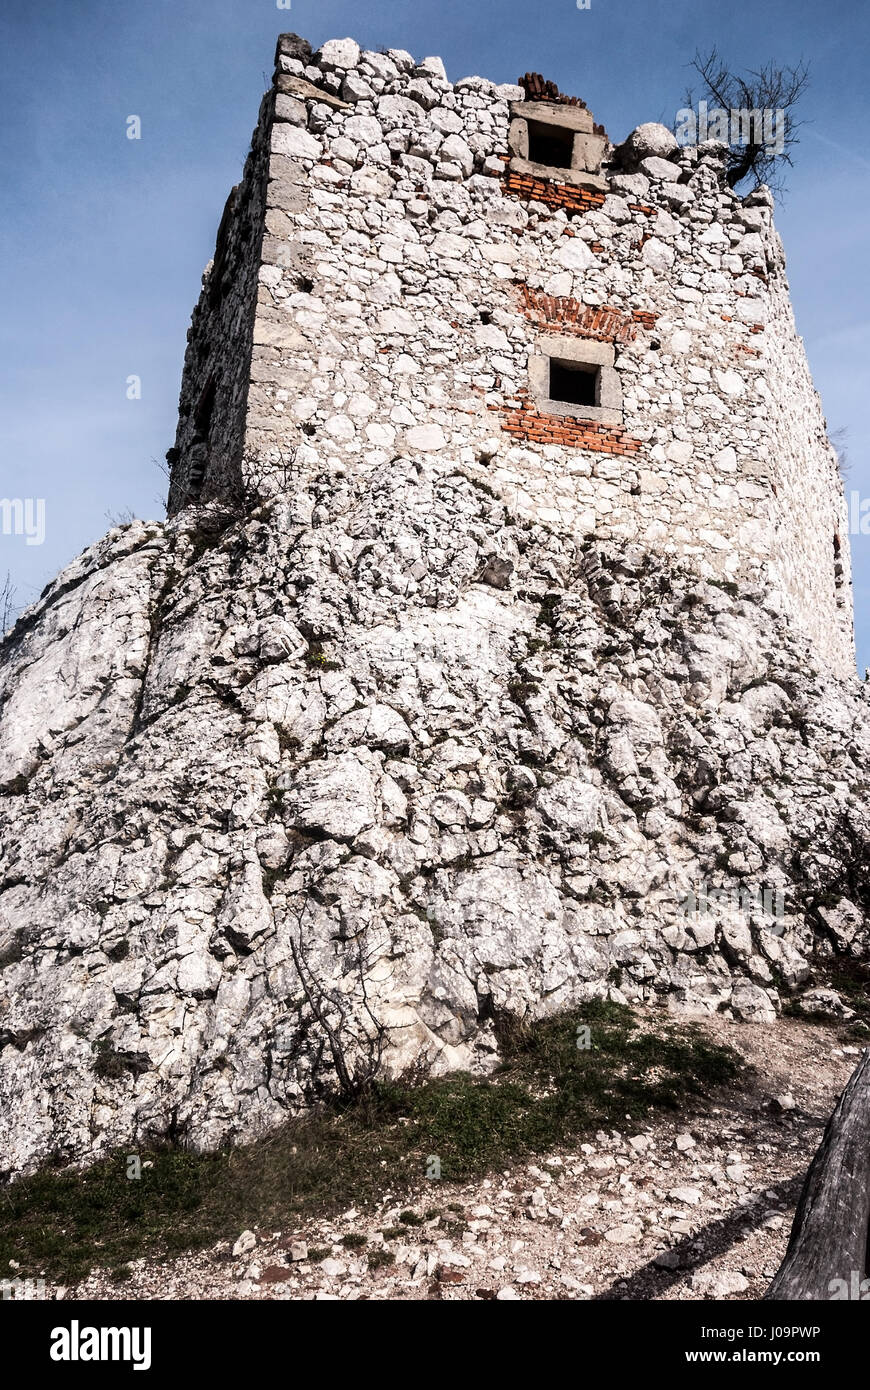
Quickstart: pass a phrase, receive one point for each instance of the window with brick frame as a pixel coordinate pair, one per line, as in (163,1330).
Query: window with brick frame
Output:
(549,141)
(575,376)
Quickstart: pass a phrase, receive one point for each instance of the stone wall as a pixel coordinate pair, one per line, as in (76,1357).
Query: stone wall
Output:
(206,457)
(411,275)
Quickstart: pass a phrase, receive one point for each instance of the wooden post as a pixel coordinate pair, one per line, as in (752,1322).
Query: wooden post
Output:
(829,1238)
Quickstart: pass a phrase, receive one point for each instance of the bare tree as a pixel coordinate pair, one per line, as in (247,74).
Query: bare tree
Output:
(762,129)
(122,518)
(838,440)
(355,1036)
(8,606)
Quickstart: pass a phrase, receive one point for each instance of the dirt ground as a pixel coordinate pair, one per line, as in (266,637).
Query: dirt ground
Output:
(693,1207)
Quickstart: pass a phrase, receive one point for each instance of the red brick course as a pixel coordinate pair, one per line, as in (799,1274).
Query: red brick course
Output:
(604,323)
(553,195)
(522,421)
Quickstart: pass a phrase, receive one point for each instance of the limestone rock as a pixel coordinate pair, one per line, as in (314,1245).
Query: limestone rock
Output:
(339,53)
(646,141)
(719,1283)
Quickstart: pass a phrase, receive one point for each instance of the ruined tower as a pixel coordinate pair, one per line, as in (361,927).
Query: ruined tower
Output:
(412,266)
(495,656)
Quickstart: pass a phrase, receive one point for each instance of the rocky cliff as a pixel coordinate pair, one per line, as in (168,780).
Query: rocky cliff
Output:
(327,785)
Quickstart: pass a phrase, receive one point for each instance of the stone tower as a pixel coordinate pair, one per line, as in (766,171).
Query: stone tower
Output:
(495,657)
(412,266)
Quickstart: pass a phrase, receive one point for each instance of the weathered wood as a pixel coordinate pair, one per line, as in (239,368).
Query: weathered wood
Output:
(829,1237)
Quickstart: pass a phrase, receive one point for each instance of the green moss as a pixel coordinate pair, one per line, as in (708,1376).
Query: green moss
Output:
(522,690)
(18,786)
(110,1064)
(270,878)
(851,979)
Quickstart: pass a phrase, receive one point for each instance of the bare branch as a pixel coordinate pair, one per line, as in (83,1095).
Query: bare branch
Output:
(767,95)
(8,606)
(332,1011)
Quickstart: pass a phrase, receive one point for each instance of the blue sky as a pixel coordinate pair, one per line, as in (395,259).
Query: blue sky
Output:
(103,239)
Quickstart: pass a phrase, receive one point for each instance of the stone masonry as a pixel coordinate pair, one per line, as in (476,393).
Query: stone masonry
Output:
(412,266)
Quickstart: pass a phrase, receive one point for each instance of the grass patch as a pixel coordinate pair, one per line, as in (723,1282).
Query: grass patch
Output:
(549,1091)
(317,659)
(379,1258)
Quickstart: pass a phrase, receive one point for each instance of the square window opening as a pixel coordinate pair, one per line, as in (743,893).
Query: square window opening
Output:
(574,383)
(551,145)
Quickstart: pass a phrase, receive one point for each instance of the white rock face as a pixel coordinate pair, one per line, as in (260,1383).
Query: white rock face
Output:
(333,796)
(313,756)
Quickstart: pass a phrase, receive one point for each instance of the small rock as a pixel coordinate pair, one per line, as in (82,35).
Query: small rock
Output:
(650,140)
(669,1259)
(711,1283)
(624,1235)
(587,1236)
(246,1241)
(689,1196)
